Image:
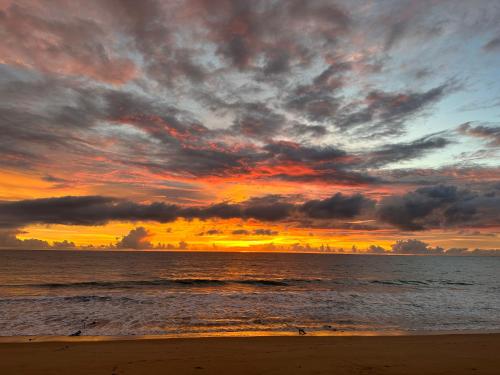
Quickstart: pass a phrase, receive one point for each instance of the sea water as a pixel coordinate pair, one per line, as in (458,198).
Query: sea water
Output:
(205,293)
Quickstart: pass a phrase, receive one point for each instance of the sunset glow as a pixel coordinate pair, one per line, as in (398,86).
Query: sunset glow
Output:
(250,125)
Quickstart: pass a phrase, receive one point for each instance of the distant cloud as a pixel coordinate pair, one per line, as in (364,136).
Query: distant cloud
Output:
(9,240)
(255,232)
(240,232)
(265,232)
(136,239)
(211,232)
(414,247)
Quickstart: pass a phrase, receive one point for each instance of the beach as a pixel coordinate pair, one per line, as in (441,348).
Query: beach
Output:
(427,354)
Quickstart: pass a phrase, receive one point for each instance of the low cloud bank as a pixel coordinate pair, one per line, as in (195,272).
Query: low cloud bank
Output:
(438,206)
(140,239)
(99,210)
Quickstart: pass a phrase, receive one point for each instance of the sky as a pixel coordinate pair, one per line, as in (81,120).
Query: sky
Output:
(342,126)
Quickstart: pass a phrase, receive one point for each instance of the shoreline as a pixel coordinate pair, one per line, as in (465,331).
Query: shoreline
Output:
(410,354)
(240,334)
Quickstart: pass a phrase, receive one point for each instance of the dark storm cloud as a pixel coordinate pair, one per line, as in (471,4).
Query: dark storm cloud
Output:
(489,132)
(441,206)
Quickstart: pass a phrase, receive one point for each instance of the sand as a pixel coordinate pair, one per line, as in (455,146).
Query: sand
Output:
(437,354)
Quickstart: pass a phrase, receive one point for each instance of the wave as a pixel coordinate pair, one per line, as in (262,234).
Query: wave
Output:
(169,282)
(399,282)
(195,282)
(420,282)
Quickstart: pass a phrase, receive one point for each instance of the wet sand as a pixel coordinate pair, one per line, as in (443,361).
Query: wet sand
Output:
(438,354)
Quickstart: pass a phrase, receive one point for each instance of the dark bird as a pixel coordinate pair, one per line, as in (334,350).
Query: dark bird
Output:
(77,333)
(302,331)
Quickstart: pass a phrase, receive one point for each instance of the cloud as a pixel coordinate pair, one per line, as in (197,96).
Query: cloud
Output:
(489,132)
(440,206)
(82,121)
(375,249)
(255,232)
(9,240)
(211,232)
(84,210)
(337,206)
(398,152)
(265,232)
(98,210)
(318,100)
(68,45)
(244,36)
(136,239)
(240,232)
(387,112)
(256,120)
(492,45)
(414,247)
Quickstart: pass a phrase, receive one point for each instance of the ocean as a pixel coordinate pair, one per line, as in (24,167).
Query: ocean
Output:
(213,293)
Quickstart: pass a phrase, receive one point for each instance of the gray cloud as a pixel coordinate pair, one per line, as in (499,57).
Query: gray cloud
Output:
(398,152)
(492,45)
(97,210)
(388,111)
(9,240)
(337,206)
(488,131)
(440,206)
(414,247)
(136,239)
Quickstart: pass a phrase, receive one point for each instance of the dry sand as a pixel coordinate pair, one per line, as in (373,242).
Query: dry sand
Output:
(439,354)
